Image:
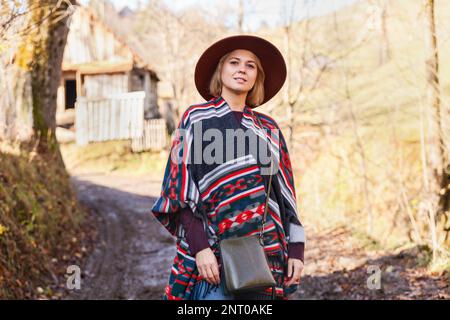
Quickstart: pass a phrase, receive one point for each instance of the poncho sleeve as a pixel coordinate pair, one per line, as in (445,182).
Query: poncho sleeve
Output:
(178,186)
(285,177)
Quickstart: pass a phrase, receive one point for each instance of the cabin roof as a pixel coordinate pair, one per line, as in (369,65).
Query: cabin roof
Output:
(98,67)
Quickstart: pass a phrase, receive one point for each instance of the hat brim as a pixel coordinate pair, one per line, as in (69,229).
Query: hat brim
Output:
(272,62)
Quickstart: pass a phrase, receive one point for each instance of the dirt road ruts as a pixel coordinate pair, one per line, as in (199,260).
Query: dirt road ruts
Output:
(134,253)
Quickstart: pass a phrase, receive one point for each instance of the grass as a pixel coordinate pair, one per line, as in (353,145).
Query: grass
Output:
(386,101)
(39,220)
(113,156)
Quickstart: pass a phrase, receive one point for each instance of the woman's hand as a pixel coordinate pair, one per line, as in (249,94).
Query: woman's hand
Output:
(207,266)
(295,268)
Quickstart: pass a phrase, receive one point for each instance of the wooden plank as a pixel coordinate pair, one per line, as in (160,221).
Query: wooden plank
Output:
(154,137)
(81,121)
(118,116)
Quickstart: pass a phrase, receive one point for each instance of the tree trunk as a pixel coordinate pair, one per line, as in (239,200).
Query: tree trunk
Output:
(241,16)
(385,54)
(435,177)
(48,38)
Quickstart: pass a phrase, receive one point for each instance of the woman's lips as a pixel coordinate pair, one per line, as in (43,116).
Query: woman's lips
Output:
(240,80)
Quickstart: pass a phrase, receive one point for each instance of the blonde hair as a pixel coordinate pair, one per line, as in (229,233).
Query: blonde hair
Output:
(254,97)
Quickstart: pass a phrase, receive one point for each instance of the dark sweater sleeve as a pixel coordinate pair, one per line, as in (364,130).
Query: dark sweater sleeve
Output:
(296,250)
(195,233)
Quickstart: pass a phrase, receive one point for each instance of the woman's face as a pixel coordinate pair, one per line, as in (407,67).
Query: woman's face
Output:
(239,71)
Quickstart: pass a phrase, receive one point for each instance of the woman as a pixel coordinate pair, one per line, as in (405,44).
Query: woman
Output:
(203,201)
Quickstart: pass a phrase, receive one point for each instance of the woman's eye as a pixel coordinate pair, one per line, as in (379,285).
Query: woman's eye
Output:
(249,65)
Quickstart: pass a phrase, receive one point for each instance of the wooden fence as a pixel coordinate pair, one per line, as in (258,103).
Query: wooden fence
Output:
(118,117)
(153,138)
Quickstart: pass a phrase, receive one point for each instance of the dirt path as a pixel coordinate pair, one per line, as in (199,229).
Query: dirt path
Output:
(133,256)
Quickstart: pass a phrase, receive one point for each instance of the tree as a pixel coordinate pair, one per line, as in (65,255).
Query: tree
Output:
(174,41)
(434,154)
(48,41)
(41,34)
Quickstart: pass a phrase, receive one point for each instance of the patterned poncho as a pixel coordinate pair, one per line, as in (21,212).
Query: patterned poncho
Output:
(229,193)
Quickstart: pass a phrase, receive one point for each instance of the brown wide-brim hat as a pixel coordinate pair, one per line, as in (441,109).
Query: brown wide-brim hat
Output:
(272,62)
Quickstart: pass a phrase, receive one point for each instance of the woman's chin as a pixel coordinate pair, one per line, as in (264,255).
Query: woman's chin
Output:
(238,89)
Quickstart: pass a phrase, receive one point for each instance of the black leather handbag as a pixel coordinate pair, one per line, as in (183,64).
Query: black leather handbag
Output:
(245,267)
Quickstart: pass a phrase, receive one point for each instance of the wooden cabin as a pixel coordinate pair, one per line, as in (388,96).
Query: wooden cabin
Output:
(98,66)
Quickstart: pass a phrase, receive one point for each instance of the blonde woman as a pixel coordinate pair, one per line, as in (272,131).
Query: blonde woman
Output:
(214,186)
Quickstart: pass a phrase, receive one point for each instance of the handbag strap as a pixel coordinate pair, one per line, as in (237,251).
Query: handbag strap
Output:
(266,206)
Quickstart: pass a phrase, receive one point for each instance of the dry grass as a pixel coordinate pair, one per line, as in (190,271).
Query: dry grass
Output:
(40,222)
(113,156)
(369,118)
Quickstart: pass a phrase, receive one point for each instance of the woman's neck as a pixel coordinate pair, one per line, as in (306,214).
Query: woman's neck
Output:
(236,102)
